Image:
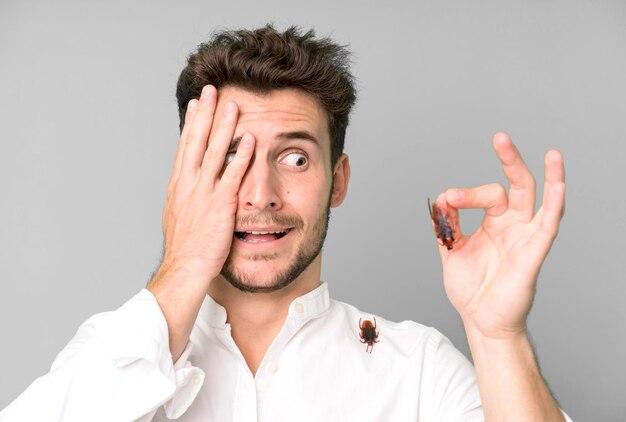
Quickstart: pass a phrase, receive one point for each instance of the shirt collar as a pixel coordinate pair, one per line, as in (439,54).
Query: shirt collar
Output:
(306,306)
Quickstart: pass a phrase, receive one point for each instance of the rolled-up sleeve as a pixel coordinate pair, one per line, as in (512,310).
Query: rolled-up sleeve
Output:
(117,367)
(451,379)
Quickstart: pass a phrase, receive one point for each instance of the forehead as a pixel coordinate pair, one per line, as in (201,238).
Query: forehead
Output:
(279,110)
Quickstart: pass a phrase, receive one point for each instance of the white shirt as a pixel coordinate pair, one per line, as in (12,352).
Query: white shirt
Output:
(118,367)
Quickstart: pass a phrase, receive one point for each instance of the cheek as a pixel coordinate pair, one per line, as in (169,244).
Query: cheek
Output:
(306,192)
(307,199)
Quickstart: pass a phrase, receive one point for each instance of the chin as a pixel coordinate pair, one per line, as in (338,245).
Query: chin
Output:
(258,275)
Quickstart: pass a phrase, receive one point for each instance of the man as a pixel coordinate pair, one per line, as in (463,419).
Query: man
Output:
(236,325)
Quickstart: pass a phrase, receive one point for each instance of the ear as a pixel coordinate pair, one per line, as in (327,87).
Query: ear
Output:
(341,179)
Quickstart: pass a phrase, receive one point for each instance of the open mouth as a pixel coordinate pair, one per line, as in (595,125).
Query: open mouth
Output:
(257,237)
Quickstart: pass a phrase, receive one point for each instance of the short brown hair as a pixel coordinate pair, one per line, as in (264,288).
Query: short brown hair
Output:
(263,59)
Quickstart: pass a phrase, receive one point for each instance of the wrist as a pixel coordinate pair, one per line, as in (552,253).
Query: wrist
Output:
(497,344)
(181,278)
(493,333)
(190,267)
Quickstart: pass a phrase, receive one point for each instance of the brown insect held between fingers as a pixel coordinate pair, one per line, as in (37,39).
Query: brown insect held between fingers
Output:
(444,230)
(368,333)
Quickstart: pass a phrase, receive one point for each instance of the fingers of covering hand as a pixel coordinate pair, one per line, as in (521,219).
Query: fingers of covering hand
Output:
(189,113)
(195,143)
(219,142)
(491,197)
(521,181)
(233,174)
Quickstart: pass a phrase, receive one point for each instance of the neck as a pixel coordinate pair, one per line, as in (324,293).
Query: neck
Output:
(256,318)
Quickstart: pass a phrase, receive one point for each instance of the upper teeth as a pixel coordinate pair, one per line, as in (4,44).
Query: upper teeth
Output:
(265,232)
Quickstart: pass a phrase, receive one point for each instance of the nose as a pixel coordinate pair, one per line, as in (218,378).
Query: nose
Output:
(258,190)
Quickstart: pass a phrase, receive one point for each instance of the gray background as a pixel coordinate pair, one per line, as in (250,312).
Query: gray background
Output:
(89,125)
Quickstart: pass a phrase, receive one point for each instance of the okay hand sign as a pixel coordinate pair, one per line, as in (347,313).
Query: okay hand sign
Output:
(491,275)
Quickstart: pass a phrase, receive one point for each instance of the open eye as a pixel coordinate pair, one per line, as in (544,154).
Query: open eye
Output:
(297,159)
(230,156)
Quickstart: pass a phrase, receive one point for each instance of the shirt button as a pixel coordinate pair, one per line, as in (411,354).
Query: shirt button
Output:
(272,367)
(299,307)
(197,379)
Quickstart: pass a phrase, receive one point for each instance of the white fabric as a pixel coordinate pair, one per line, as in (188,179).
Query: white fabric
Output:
(118,367)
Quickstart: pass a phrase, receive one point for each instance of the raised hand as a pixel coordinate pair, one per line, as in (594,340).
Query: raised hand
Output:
(490,276)
(199,212)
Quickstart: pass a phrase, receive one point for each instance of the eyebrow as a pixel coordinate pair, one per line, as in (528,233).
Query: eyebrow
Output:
(285,136)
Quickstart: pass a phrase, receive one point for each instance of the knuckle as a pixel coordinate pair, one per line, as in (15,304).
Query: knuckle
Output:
(498,189)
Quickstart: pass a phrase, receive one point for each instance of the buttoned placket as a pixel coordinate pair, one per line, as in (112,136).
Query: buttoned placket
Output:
(251,390)
(268,368)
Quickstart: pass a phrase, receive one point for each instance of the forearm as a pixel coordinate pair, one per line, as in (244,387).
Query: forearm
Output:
(509,381)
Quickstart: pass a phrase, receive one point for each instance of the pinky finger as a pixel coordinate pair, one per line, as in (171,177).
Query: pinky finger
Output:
(234,171)
(189,115)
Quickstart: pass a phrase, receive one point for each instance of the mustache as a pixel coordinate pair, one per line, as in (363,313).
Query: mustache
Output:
(270,219)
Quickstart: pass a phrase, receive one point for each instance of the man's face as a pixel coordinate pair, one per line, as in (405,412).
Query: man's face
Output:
(287,185)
